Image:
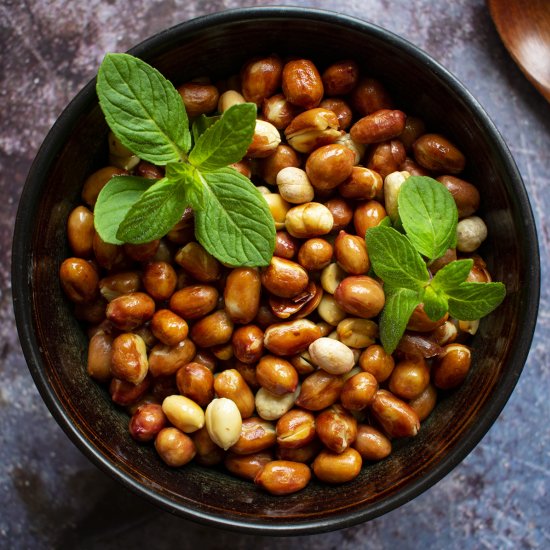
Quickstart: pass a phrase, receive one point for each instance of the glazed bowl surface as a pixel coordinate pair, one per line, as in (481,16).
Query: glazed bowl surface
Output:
(54,342)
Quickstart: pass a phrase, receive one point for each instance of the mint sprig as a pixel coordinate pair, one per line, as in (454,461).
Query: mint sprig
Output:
(147,114)
(429,218)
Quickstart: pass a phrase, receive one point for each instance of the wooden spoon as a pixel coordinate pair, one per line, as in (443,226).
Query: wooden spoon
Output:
(524,27)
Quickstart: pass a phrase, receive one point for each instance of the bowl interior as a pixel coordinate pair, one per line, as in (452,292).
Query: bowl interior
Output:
(55,344)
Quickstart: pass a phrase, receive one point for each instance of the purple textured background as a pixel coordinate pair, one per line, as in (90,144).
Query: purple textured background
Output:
(53,497)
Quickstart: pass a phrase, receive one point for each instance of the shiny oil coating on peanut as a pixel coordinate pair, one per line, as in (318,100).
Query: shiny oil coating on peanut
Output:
(277,372)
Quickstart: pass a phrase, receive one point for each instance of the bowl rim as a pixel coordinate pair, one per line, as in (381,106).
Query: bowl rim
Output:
(22,277)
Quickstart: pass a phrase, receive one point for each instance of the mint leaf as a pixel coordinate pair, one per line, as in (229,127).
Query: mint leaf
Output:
(429,215)
(471,301)
(452,275)
(155,213)
(113,203)
(191,180)
(400,304)
(143,109)
(394,258)
(236,225)
(435,303)
(227,140)
(201,124)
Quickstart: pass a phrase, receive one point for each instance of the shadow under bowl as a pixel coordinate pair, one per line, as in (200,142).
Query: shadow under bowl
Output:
(54,343)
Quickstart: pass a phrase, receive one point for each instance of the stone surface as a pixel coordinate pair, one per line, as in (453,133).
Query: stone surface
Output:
(53,497)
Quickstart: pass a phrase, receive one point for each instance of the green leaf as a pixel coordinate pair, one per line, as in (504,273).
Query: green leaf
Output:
(429,215)
(394,259)
(400,304)
(236,225)
(143,109)
(435,303)
(227,140)
(471,301)
(191,179)
(201,124)
(452,275)
(113,203)
(155,213)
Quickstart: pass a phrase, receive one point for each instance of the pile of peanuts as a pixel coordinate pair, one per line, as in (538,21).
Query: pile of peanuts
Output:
(276,372)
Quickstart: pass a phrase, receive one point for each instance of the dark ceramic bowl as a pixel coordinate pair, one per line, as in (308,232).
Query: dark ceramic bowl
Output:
(55,344)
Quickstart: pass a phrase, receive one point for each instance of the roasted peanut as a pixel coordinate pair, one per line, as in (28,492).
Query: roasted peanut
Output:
(304,454)
(159,280)
(231,385)
(351,253)
(420,322)
(371,444)
(247,466)
(295,429)
(332,467)
(305,300)
(283,477)
(194,301)
(379,126)
(360,295)
(331,277)
(357,333)
(331,355)
(330,311)
(129,358)
(386,157)
(291,337)
(198,262)
(329,165)
(147,422)
(279,111)
(320,390)
(183,413)
(80,232)
(278,208)
(223,422)
(466,195)
(256,435)
(340,108)
(341,77)
(199,98)
(276,375)
(370,96)
(242,294)
(342,213)
(196,382)
(265,140)
(79,280)
(223,352)
(470,233)
(97,181)
(438,154)
(285,245)
(336,428)
(368,214)
(174,447)
(212,330)
(302,83)
(113,286)
(294,185)
(207,452)
(248,343)
(100,352)
(125,393)
(311,219)
(166,360)
(283,157)
(228,99)
(392,186)
(284,278)
(442,261)
(394,415)
(362,183)
(129,311)
(91,312)
(168,327)
(312,129)
(261,77)
(315,254)
(143,252)
(452,366)
(409,378)
(271,406)
(376,361)
(358,391)
(424,403)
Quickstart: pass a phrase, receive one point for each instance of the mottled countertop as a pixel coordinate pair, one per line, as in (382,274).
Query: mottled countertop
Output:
(53,497)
